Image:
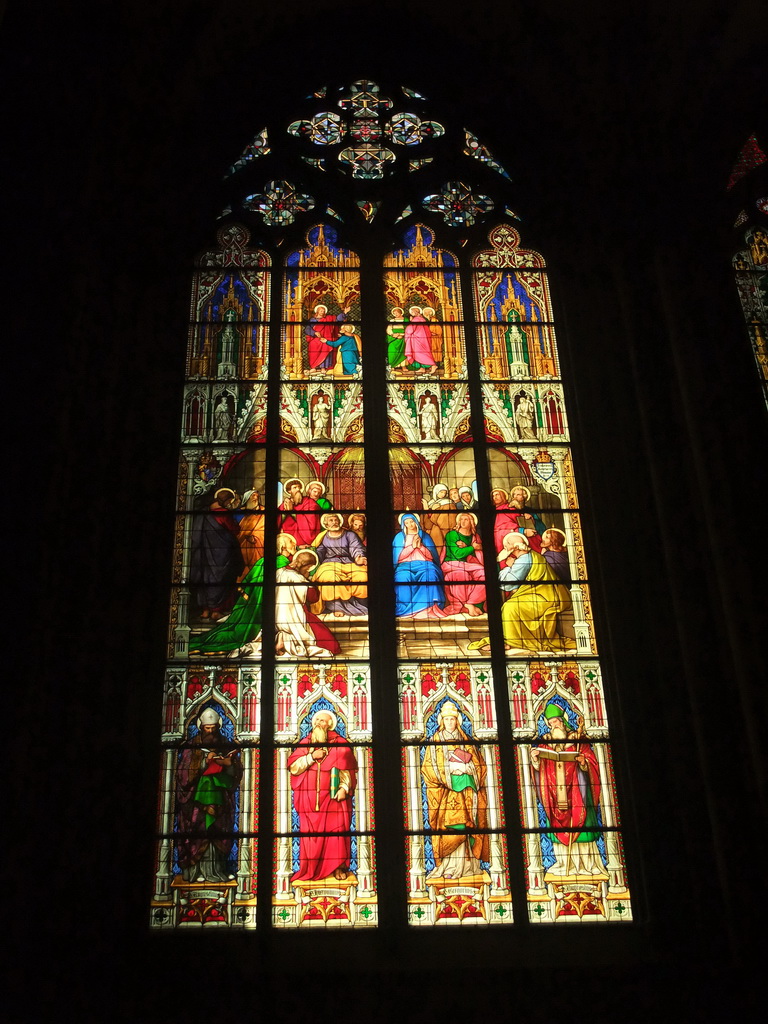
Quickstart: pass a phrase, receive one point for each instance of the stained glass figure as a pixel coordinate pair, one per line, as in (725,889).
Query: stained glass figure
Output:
(458,204)
(574,858)
(456,854)
(409,129)
(365,100)
(207,854)
(279,203)
(323,129)
(751,156)
(324,812)
(366,161)
(751,266)
(258,147)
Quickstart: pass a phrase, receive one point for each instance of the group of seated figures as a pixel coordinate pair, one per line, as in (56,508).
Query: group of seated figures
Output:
(439,571)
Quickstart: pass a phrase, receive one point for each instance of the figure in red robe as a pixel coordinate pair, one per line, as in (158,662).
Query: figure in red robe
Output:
(566,777)
(321,329)
(305,526)
(323,774)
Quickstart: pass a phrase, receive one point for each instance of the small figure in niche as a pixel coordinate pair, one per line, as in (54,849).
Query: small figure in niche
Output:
(429,417)
(222,420)
(321,416)
(525,415)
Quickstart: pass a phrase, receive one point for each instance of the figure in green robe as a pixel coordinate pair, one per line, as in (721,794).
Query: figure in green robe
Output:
(243,624)
(396,338)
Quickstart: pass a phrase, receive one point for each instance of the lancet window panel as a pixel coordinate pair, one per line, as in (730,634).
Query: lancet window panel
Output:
(206,856)
(324,814)
(457,868)
(751,266)
(425,334)
(216,477)
(326,347)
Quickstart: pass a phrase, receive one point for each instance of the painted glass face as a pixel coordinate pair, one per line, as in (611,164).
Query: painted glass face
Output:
(376,509)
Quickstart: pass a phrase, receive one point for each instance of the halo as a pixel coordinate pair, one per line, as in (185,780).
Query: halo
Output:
(224,490)
(555,529)
(306,551)
(335,515)
(522,539)
(280,539)
(501,491)
(472,516)
(409,515)
(319,484)
(521,487)
(329,714)
(293,480)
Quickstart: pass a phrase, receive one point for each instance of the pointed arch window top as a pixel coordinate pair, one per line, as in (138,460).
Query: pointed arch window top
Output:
(419,250)
(322,250)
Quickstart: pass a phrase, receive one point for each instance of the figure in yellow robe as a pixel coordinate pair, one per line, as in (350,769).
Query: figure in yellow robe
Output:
(537,597)
(454,774)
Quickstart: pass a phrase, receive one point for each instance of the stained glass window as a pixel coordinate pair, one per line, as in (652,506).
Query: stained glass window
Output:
(379,580)
(750,263)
